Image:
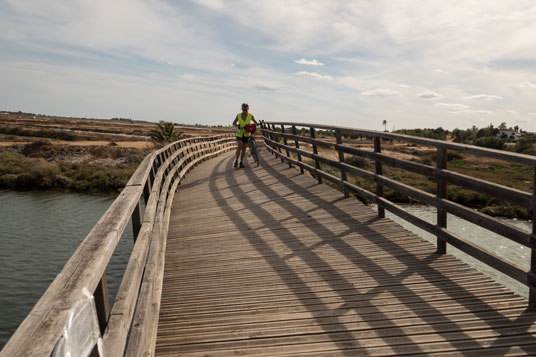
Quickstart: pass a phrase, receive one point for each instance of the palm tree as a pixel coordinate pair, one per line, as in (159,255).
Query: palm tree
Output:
(165,132)
(385,125)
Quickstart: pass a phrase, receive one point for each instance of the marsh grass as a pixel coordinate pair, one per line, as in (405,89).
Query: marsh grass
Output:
(507,174)
(19,172)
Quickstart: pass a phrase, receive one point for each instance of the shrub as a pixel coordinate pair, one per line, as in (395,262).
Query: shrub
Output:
(467,198)
(525,146)
(490,142)
(357,162)
(507,211)
(40,148)
(53,134)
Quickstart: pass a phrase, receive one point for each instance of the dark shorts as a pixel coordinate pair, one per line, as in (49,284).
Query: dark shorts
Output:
(244,139)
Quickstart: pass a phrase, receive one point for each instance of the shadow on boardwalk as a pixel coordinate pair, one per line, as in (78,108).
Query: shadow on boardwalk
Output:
(316,274)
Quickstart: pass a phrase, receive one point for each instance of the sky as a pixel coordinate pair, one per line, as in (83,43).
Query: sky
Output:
(414,64)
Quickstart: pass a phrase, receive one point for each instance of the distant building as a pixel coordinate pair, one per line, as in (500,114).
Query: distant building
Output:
(510,134)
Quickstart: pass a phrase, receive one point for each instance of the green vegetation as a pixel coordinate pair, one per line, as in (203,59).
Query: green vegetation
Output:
(438,133)
(499,172)
(42,165)
(23,173)
(165,132)
(526,145)
(43,133)
(491,142)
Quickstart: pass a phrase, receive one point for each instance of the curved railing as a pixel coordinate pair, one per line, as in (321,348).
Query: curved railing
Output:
(67,318)
(282,139)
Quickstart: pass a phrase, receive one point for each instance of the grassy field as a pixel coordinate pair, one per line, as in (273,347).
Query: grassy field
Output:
(98,156)
(496,171)
(75,154)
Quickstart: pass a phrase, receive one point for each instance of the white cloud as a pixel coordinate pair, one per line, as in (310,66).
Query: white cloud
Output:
(313,75)
(309,63)
(484,97)
(384,45)
(380,92)
(527,85)
(470,111)
(512,112)
(429,95)
(457,107)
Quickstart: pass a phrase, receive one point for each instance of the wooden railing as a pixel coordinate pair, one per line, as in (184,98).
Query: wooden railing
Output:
(282,139)
(128,327)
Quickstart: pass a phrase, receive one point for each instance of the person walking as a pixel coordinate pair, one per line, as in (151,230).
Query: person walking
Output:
(242,136)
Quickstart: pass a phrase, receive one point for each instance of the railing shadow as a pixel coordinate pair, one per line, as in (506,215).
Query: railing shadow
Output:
(352,297)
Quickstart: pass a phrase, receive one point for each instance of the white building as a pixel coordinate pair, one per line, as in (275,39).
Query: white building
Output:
(510,134)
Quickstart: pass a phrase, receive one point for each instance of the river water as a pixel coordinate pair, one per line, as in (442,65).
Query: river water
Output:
(40,231)
(510,250)
(38,234)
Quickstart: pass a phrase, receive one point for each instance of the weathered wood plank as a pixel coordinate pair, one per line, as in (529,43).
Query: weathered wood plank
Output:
(264,261)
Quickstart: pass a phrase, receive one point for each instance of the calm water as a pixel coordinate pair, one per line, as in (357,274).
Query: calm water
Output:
(512,251)
(38,233)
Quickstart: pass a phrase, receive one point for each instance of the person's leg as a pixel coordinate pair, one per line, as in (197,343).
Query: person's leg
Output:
(243,152)
(239,145)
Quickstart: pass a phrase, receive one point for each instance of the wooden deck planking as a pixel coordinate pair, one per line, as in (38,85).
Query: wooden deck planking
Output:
(265,261)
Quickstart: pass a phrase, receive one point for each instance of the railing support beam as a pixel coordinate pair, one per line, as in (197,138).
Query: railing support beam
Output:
(136,221)
(102,303)
(379,171)
(315,151)
(285,142)
(441,193)
(531,281)
(344,176)
(297,143)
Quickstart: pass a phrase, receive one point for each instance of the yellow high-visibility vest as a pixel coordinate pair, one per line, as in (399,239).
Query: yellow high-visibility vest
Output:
(241,130)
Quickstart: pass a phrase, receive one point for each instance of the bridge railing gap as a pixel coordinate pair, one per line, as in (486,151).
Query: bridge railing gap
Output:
(128,326)
(278,141)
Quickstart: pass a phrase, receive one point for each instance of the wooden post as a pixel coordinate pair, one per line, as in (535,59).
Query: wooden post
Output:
(272,136)
(531,280)
(152,175)
(341,159)
(102,303)
(278,147)
(136,221)
(315,151)
(441,193)
(285,142)
(147,190)
(295,132)
(379,171)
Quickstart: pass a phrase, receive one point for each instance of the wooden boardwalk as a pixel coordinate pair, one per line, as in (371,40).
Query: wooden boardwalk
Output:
(265,261)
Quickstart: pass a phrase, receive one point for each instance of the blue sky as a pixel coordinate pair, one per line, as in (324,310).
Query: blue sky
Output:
(350,63)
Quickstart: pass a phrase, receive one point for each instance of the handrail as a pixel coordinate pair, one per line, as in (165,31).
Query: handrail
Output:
(137,302)
(283,140)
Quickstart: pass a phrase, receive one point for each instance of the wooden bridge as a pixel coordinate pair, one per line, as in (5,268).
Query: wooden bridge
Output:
(267,261)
